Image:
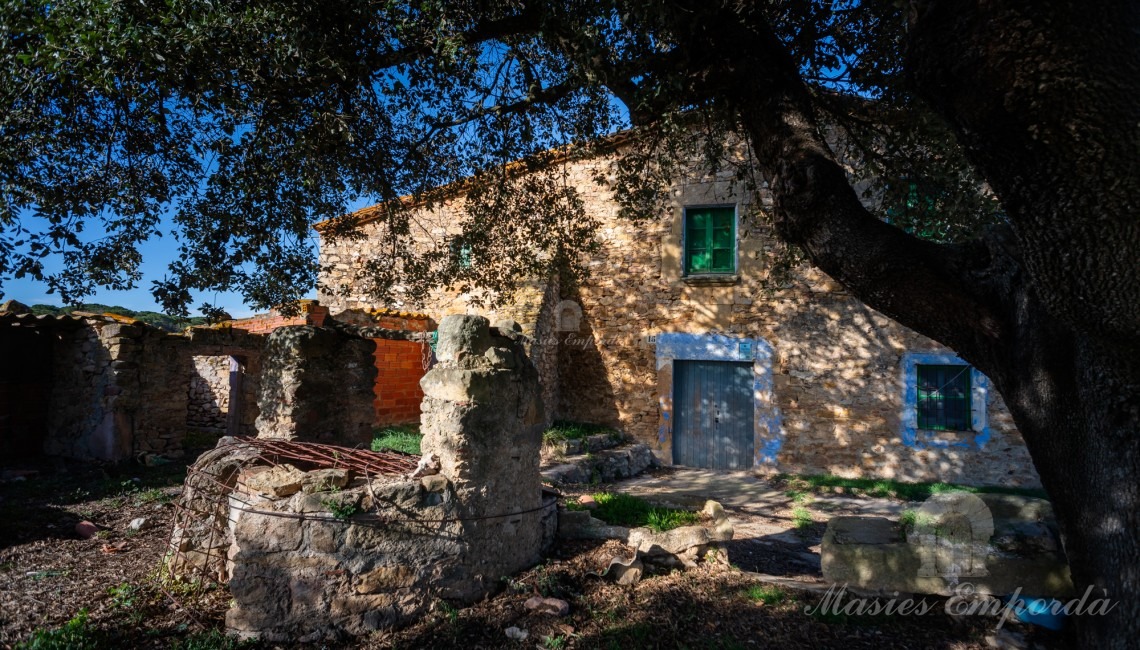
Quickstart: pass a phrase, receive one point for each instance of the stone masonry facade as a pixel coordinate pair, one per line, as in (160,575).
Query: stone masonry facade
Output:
(838,370)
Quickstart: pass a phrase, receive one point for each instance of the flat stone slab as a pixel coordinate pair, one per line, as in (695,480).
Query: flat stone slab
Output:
(996,543)
(604,466)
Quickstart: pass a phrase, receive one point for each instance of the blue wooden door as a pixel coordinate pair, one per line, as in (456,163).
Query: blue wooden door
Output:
(713,409)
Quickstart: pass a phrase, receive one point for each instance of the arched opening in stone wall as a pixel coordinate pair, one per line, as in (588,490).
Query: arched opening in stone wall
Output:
(214,395)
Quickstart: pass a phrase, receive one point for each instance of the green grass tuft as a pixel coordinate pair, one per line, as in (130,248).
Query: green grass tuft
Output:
(565,430)
(619,509)
(767,594)
(802,519)
(404,439)
(888,489)
(76,634)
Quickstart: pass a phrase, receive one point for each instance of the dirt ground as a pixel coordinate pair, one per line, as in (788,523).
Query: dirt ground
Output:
(48,574)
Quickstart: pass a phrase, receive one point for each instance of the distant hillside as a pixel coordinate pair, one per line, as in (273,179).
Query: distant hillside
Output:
(161,321)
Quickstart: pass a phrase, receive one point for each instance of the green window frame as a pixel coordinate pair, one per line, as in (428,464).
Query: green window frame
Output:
(460,253)
(710,241)
(944,397)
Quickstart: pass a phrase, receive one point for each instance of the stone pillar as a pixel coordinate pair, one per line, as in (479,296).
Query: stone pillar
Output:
(483,418)
(316,386)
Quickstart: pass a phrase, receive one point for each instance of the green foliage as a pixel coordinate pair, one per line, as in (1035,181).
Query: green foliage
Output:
(767,594)
(885,488)
(75,634)
(620,509)
(123,596)
(404,439)
(247,140)
(341,509)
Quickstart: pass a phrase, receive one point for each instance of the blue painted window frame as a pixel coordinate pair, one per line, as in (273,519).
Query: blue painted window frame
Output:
(910,434)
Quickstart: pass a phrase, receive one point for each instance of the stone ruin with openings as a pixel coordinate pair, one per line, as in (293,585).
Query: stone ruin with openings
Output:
(318,541)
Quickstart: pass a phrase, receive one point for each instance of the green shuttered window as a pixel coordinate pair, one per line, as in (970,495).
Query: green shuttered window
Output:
(710,240)
(944,398)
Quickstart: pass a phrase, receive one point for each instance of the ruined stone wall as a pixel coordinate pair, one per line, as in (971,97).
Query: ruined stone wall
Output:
(166,369)
(86,419)
(326,553)
(209,393)
(317,385)
(836,367)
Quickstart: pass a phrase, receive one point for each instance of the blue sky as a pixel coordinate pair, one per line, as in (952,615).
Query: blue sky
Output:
(157,254)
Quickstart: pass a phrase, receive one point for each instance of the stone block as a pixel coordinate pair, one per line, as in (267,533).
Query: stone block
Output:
(280,481)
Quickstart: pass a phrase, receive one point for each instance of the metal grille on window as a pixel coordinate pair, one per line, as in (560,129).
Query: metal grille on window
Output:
(944,398)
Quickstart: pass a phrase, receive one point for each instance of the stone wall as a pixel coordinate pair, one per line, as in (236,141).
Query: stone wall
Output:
(317,385)
(117,388)
(164,370)
(838,380)
(209,393)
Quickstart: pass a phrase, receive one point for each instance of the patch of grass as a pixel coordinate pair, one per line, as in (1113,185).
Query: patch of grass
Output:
(76,634)
(802,519)
(885,488)
(620,509)
(566,430)
(211,640)
(661,519)
(767,594)
(123,596)
(405,439)
(153,495)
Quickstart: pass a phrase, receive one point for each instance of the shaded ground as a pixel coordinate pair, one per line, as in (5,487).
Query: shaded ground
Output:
(48,574)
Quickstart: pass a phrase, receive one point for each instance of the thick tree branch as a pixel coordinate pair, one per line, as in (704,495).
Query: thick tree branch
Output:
(930,287)
(1041,110)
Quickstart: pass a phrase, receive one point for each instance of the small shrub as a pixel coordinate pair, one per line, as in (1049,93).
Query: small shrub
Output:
(341,509)
(76,634)
(402,439)
(767,594)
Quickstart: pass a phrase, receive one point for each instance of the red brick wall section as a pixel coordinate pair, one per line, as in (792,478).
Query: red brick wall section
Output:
(399,367)
(312,313)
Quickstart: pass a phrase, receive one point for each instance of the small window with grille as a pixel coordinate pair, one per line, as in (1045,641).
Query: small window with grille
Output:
(944,397)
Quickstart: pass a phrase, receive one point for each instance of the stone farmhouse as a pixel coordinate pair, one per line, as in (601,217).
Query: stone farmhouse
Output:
(679,339)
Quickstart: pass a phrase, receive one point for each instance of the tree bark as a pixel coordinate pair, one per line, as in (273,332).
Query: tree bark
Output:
(1048,308)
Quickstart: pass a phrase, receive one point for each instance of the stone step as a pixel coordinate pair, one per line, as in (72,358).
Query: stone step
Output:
(594,443)
(603,466)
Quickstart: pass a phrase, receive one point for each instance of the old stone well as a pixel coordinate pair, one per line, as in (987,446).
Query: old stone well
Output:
(319,541)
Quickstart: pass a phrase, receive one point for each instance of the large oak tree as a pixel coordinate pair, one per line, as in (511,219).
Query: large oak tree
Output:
(999,137)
